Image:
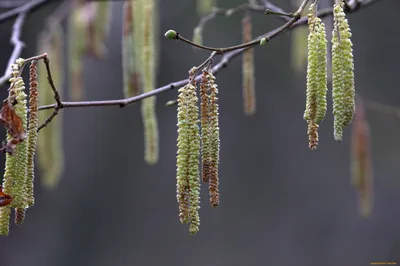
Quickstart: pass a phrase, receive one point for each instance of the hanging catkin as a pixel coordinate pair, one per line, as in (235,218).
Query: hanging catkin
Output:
(131,76)
(343,90)
(205,6)
(77,46)
(361,172)
(298,43)
(13,167)
(148,72)
(316,77)
(249,93)
(188,179)
(50,147)
(32,131)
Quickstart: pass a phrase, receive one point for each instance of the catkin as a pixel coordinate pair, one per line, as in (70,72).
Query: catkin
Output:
(101,26)
(50,157)
(249,93)
(77,45)
(205,6)
(131,77)
(316,77)
(361,164)
(205,126)
(32,131)
(148,108)
(343,88)
(188,179)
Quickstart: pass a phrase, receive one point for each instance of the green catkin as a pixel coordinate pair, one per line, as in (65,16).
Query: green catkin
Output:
(130,75)
(10,168)
(215,143)
(343,89)
(102,22)
(77,44)
(198,35)
(188,179)
(249,93)
(298,44)
(32,132)
(205,7)
(316,77)
(21,156)
(50,157)
(148,108)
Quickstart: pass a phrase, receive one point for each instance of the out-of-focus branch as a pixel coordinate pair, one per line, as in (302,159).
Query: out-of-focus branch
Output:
(21,9)
(226,58)
(18,46)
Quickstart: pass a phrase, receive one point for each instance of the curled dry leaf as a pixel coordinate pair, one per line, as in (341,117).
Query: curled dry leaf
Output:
(5,199)
(13,124)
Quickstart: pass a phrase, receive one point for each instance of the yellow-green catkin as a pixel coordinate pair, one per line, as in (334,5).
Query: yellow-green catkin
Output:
(32,132)
(101,26)
(77,45)
(188,178)
(21,155)
(148,108)
(10,165)
(343,88)
(205,7)
(198,35)
(50,156)
(130,74)
(249,92)
(215,143)
(298,43)
(316,77)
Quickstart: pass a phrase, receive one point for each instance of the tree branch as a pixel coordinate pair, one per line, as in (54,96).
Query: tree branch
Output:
(226,58)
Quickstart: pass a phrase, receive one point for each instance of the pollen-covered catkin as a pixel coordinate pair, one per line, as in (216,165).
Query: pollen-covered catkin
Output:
(205,126)
(188,178)
(316,77)
(343,88)
(215,143)
(32,131)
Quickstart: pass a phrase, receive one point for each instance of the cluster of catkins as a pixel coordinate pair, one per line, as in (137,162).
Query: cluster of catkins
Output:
(190,142)
(343,90)
(18,178)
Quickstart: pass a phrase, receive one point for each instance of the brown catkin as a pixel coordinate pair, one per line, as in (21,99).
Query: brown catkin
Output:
(32,131)
(215,143)
(249,93)
(362,176)
(19,216)
(205,126)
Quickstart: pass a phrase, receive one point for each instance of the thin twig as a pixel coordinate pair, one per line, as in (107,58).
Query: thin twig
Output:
(227,57)
(21,9)
(18,46)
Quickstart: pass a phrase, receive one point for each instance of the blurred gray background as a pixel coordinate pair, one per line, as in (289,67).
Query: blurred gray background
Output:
(281,204)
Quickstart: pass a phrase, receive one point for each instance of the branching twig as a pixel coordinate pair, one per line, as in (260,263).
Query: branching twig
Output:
(21,9)
(18,45)
(227,57)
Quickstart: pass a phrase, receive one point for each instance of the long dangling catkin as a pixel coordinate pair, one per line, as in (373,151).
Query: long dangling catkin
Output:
(343,89)
(21,155)
(32,131)
(10,167)
(148,108)
(316,77)
(249,92)
(215,143)
(361,172)
(49,146)
(205,126)
(77,45)
(131,76)
(188,179)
